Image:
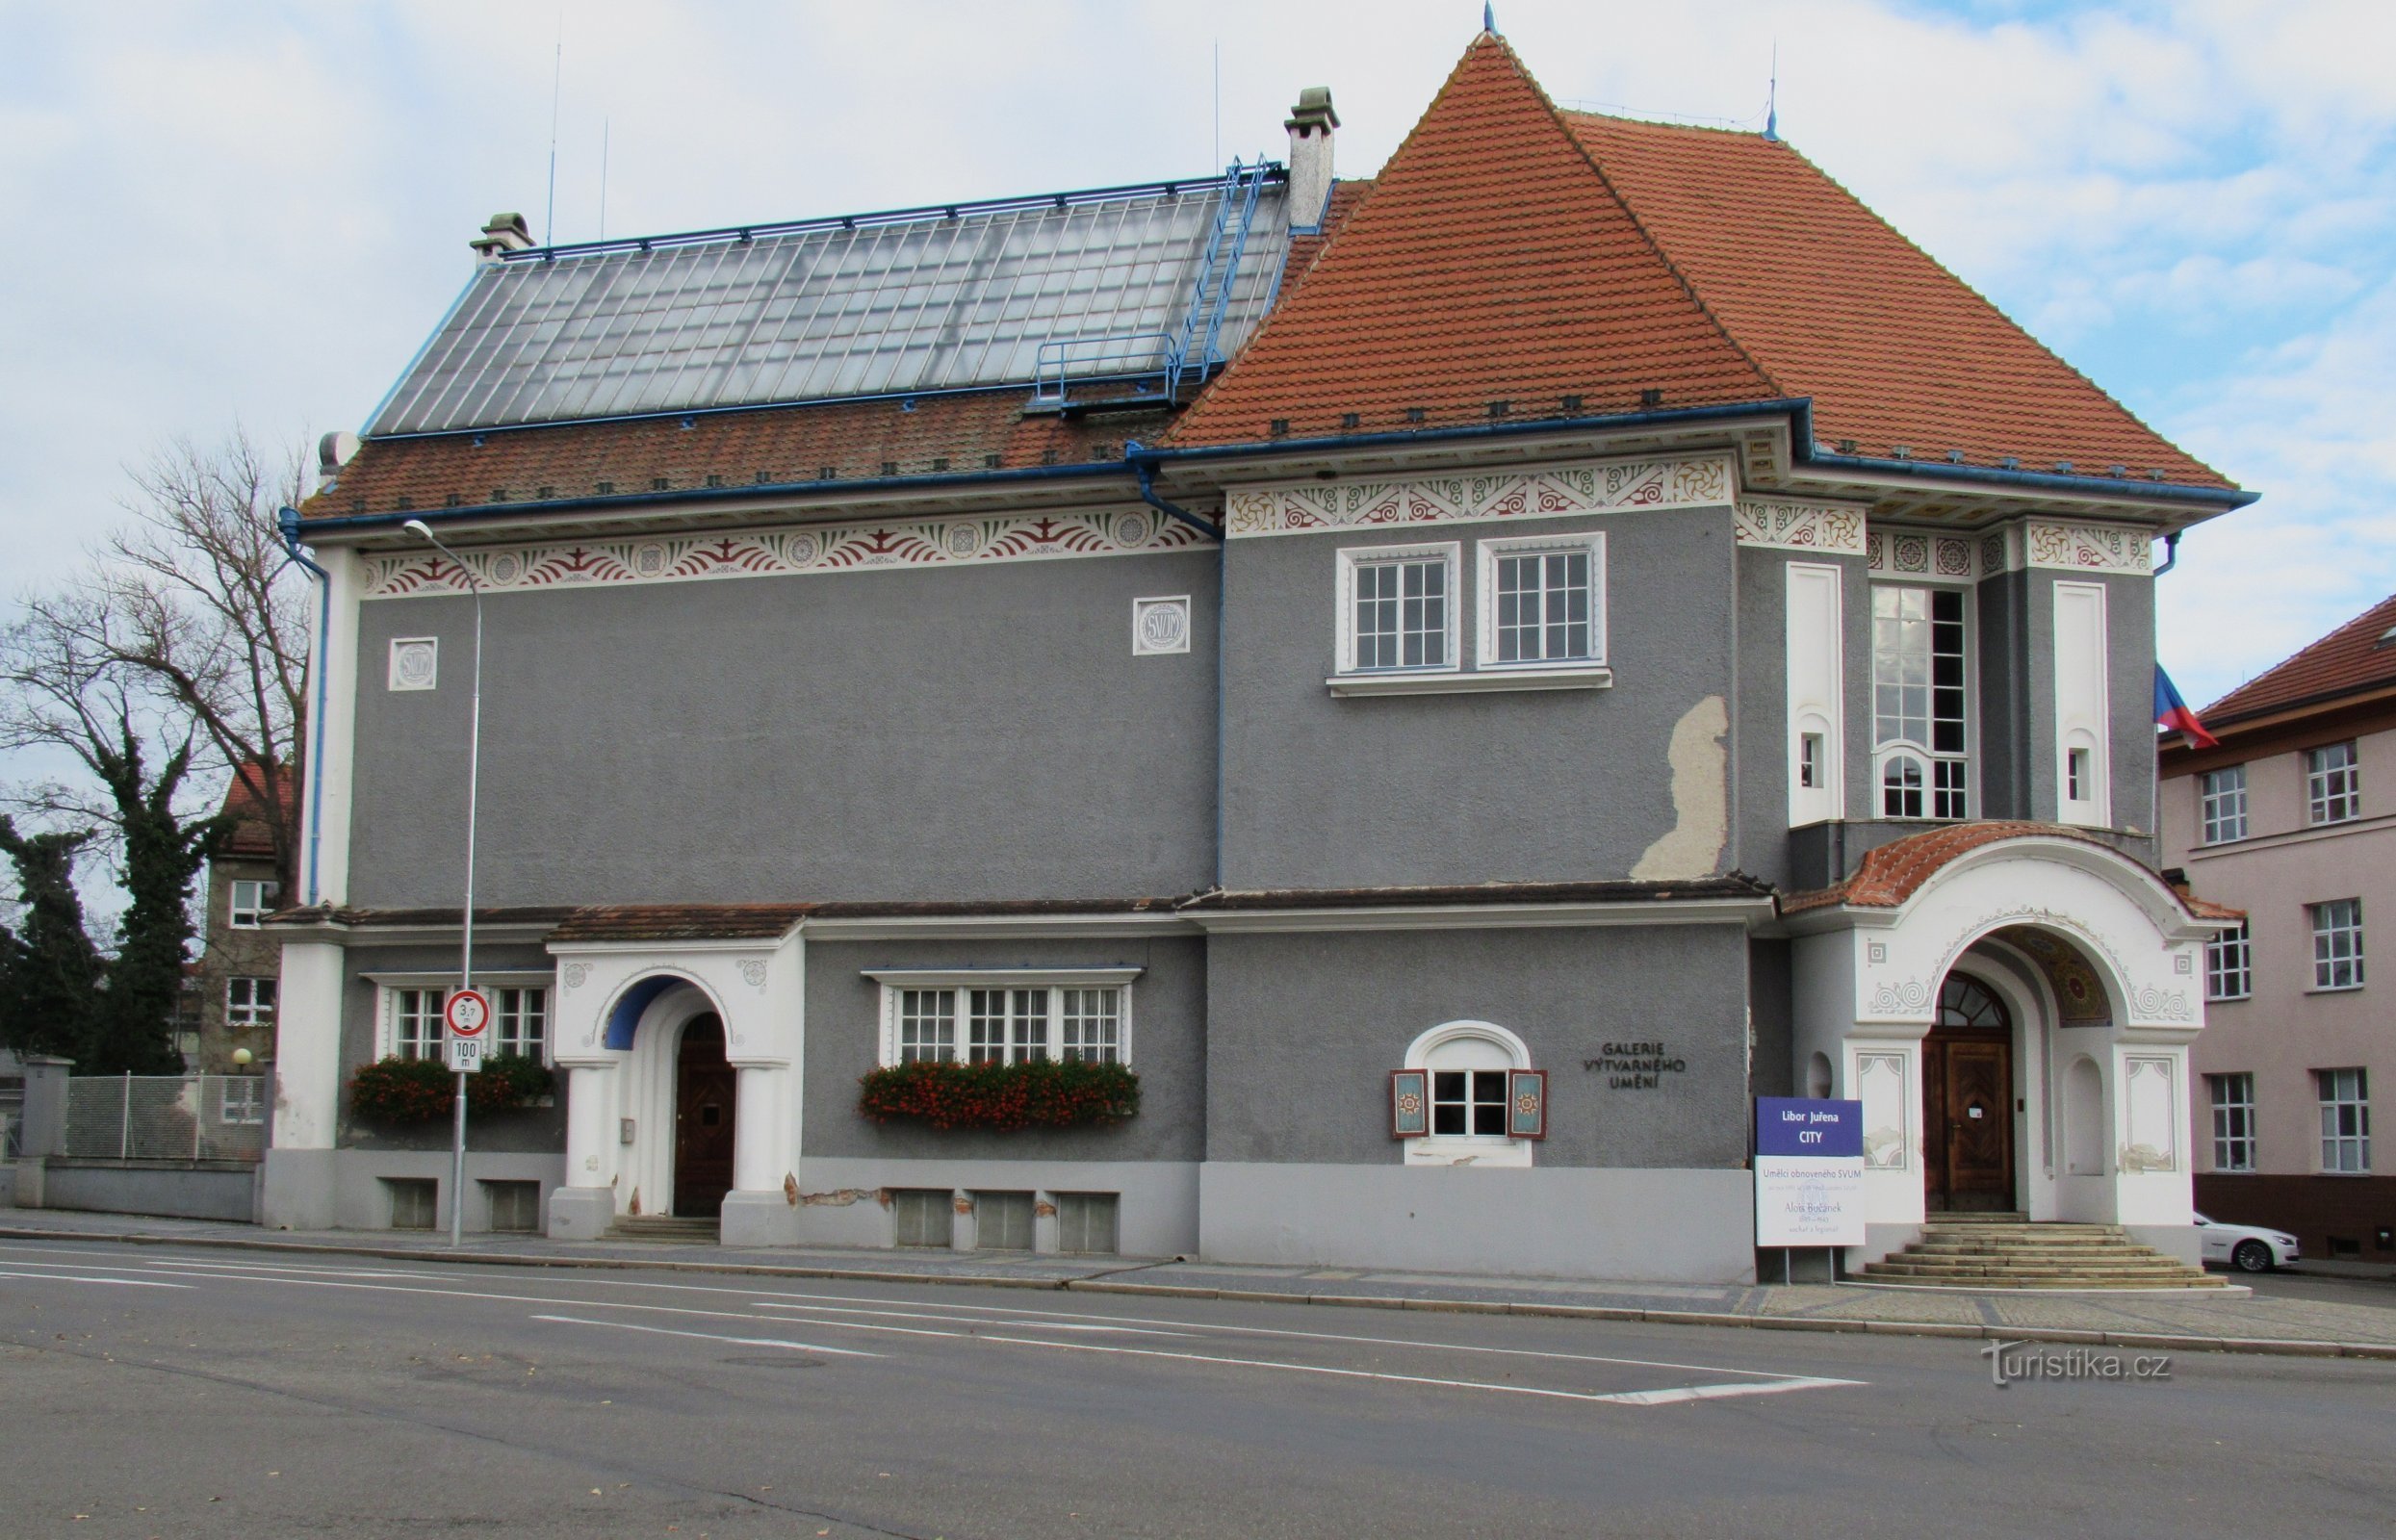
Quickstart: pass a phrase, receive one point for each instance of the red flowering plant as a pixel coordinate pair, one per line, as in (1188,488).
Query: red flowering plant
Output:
(1002,1097)
(422,1090)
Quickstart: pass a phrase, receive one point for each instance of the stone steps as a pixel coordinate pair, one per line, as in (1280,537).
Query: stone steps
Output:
(2007,1251)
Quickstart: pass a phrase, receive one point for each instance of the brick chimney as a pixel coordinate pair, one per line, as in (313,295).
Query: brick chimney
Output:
(1310,126)
(507,232)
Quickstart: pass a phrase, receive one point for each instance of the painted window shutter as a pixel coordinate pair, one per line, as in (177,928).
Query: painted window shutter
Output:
(1410,1103)
(1525,1104)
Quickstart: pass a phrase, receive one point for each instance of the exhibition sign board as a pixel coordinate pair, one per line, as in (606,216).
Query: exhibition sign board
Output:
(1809,1173)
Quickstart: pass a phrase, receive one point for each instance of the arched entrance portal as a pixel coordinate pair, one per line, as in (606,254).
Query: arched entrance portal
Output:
(1968,1102)
(705,1097)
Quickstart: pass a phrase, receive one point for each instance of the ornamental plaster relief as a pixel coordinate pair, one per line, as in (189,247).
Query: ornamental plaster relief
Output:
(1552,492)
(757,991)
(1899,550)
(810,548)
(1780,523)
(1898,969)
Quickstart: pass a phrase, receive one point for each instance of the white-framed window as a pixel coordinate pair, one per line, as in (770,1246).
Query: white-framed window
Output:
(1006,1016)
(250,1002)
(520,1024)
(416,1021)
(1397,607)
(2333,784)
(2222,804)
(252,901)
(1542,601)
(1469,1071)
(243,1099)
(2233,1120)
(2337,943)
(2345,1120)
(2229,965)
(1920,700)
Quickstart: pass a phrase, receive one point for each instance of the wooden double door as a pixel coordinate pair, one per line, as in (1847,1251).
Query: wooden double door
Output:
(706,1094)
(1968,1107)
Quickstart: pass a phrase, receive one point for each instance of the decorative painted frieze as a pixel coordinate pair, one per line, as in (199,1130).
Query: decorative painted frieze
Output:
(1901,550)
(777,552)
(2088,546)
(1787,525)
(1554,492)
(1896,551)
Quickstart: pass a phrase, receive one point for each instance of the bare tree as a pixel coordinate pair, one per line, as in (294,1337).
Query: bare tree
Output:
(195,608)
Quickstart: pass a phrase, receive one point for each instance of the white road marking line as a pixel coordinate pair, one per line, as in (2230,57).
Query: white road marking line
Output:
(68,1277)
(1775,1381)
(785,1303)
(1617,1398)
(1714,1393)
(710,1336)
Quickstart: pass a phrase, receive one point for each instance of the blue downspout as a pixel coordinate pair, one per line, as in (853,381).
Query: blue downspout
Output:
(2171,557)
(288,520)
(1143,466)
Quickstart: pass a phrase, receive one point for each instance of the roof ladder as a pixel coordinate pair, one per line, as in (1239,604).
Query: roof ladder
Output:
(1196,348)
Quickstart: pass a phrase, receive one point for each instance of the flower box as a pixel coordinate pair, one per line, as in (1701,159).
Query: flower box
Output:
(1001,1097)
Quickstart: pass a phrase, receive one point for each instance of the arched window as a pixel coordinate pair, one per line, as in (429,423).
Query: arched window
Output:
(1964,1001)
(1468,1097)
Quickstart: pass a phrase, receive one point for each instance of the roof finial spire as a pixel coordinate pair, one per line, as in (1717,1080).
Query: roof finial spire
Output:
(1489,18)
(1771,98)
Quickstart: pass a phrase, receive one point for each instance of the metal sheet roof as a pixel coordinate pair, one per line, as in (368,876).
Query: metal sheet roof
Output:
(921,300)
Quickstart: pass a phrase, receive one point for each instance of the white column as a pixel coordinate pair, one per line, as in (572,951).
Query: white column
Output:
(762,1154)
(585,1207)
(307,1046)
(591,1115)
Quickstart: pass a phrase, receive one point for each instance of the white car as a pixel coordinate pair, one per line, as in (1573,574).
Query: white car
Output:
(2245,1247)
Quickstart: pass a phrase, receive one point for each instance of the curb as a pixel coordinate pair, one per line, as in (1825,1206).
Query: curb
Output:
(2299,1348)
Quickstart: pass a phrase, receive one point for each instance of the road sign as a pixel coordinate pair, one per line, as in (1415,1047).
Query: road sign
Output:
(466,1055)
(467,1013)
(1809,1173)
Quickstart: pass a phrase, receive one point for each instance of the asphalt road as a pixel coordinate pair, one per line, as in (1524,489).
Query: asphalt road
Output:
(182,1392)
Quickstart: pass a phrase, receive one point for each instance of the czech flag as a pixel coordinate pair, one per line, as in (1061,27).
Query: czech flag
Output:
(2170,712)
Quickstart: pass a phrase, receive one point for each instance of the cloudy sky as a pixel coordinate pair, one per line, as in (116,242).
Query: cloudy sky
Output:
(221,214)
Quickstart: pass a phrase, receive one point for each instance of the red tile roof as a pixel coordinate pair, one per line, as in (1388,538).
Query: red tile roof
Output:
(1892,873)
(1518,253)
(1836,305)
(953,435)
(1490,264)
(251,836)
(2349,661)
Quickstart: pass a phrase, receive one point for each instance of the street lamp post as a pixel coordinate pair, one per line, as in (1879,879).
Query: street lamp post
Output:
(465,946)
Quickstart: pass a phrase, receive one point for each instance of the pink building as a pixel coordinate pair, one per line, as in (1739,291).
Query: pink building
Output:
(2293,819)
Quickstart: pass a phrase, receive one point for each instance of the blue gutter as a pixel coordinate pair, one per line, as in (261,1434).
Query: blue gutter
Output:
(1798,409)
(288,520)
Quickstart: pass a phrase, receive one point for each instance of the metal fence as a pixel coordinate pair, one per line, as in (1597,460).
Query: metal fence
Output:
(167,1117)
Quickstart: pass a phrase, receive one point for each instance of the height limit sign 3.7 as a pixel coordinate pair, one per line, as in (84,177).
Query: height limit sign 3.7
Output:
(466,1015)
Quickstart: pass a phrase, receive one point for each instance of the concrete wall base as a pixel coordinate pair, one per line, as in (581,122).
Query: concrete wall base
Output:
(759,1219)
(300,1185)
(168,1189)
(1688,1226)
(25,1180)
(841,1199)
(581,1213)
(2181,1241)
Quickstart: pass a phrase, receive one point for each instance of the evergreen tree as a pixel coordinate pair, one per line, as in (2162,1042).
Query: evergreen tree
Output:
(133,1029)
(50,973)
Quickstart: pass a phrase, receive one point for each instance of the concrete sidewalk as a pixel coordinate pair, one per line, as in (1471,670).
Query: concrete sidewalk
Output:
(2228,1319)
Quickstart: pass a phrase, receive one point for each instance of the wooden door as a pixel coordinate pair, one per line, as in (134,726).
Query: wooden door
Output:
(705,1094)
(1967,1085)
